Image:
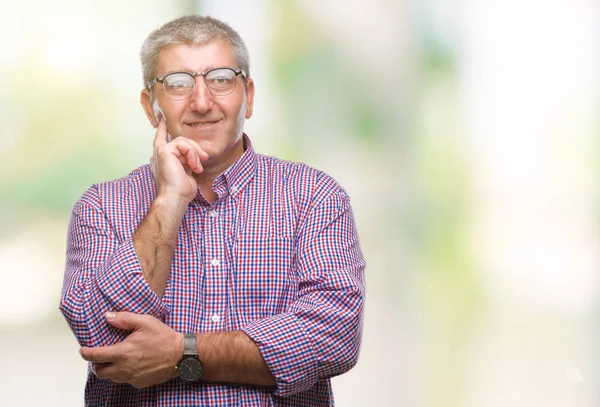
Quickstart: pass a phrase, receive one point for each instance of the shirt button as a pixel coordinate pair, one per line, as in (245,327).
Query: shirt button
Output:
(233,189)
(215,318)
(213,214)
(215,262)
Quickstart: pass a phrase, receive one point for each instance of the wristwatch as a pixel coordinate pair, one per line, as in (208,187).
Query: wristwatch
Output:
(190,367)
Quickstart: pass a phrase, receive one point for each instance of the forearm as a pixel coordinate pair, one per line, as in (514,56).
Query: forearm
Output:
(155,241)
(232,357)
(102,273)
(89,293)
(315,339)
(84,311)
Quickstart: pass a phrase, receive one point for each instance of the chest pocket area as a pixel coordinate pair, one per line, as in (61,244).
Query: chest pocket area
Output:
(265,277)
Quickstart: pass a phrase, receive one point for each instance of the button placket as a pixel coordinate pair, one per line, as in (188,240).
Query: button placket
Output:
(215,249)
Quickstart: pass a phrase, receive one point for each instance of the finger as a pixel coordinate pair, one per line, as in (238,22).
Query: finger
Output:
(203,155)
(99,369)
(194,161)
(189,153)
(160,137)
(127,321)
(186,167)
(101,354)
(106,371)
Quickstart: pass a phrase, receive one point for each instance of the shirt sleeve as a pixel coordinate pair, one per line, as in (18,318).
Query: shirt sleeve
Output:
(102,274)
(319,335)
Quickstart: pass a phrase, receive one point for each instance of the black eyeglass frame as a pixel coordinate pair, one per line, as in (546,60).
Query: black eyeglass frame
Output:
(160,79)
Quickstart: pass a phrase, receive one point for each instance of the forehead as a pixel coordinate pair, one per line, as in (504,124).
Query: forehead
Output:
(194,57)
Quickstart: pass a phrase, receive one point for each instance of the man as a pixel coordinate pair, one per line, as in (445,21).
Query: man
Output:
(214,276)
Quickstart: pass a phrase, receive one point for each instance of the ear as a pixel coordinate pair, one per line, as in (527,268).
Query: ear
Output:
(249,98)
(146,102)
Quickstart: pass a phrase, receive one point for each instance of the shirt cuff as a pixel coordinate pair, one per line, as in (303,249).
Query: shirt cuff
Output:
(121,281)
(283,343)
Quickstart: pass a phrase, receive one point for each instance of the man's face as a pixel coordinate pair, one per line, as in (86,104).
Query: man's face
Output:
(215,122)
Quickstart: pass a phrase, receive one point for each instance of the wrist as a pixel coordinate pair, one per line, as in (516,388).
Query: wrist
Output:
(178,348)
(177,354)
(171,204)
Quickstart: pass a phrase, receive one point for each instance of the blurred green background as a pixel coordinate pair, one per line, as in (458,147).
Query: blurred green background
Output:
(465,132)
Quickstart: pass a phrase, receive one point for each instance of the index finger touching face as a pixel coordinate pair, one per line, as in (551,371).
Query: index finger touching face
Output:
(160,137)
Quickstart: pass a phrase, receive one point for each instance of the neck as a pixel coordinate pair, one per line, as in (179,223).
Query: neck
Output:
(206,189)
(211,171)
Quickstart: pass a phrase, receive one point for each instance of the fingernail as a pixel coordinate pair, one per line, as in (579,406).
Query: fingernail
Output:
(110,315)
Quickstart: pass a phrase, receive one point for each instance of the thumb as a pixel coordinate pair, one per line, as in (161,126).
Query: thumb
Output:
(127,321)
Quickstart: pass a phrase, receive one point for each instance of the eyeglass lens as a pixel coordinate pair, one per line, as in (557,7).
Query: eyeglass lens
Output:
(218,81)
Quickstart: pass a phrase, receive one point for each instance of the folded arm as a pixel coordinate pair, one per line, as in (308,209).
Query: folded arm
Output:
(319,335)
(103,273)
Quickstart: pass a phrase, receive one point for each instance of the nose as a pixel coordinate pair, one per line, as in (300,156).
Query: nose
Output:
(201,100)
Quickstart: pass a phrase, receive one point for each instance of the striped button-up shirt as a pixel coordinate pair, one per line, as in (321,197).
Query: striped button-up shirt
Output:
(276,256)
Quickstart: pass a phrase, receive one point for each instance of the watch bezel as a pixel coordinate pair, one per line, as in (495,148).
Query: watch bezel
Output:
(183,373)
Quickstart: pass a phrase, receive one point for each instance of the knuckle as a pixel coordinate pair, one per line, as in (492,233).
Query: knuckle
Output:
(137,385)
(182,142)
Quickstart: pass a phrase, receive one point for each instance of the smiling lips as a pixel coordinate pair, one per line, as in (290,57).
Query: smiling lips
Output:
(205,123)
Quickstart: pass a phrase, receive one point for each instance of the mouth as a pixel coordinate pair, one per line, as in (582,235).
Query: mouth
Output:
(202,124)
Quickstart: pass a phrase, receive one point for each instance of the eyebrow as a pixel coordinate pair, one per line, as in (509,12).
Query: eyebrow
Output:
(208,68)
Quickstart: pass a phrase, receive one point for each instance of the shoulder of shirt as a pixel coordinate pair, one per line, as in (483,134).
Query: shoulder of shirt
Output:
(312,185)
(138,185)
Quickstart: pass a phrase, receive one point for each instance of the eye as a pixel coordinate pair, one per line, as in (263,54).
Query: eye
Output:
(178,80)
(220,78)
(178,84)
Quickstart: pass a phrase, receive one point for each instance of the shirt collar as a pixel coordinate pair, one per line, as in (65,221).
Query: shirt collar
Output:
(235,178)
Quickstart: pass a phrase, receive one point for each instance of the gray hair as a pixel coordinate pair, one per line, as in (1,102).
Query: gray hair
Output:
(191,30)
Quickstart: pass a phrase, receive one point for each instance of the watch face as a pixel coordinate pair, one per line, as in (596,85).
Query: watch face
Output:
(190,369)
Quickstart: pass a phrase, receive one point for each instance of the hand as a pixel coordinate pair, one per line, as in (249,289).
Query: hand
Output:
(147,357)
(173,164)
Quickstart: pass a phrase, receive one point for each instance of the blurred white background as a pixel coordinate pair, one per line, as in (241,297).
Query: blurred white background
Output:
(466,133)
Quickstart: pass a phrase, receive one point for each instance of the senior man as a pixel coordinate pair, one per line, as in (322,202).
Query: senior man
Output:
(214,276)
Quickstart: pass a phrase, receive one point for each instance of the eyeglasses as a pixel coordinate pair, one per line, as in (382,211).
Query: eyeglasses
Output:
(180,85)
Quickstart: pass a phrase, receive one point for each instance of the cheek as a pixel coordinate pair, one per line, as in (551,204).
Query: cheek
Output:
(174,115)
(242,112)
